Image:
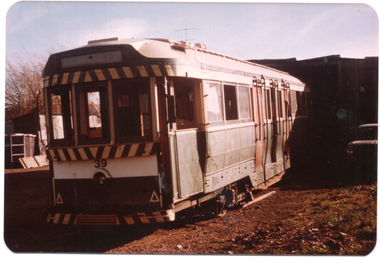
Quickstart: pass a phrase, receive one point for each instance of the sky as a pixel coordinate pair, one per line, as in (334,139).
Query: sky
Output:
(244,30)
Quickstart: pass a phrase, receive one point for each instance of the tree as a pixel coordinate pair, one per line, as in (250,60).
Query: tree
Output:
(22,85)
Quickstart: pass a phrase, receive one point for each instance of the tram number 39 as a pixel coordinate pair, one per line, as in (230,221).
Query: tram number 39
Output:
(100,163)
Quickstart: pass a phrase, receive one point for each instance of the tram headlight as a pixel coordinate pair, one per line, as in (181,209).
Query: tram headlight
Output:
(349,151)
(100,178)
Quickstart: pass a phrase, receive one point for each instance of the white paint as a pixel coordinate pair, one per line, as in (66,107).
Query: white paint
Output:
(117,168)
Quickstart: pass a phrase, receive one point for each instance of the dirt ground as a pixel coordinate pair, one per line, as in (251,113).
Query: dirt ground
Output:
(260,228)
(201,234)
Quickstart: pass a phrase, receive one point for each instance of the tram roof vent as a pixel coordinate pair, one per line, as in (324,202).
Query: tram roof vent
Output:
(102,40)
(189,45)
(201,46)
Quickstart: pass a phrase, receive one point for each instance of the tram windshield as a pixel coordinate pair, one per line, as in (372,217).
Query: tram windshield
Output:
(92,105)
(60,103)
(98,118)
(132,110)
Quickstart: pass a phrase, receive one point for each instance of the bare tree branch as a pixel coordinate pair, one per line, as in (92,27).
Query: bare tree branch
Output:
(22,84)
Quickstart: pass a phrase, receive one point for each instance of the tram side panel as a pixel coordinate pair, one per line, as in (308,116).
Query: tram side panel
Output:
(230,156)
(187,167)
(237,151)
(231,145)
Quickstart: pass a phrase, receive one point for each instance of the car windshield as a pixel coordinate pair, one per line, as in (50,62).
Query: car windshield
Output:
(367,133)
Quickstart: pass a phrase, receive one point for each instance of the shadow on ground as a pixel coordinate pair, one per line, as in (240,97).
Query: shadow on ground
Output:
(27,195)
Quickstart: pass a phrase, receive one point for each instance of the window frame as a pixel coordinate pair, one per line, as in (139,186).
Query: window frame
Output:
(65,141)
(234,95)
(180,84)
(219,121)
(268,109)
(248,100)
(139,85)
(101,87)
(233,113)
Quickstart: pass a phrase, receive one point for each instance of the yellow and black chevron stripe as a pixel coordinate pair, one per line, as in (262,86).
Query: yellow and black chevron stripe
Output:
(111,219)
(108,74)
(103,152)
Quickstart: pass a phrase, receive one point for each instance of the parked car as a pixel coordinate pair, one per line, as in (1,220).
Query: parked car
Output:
(361,154)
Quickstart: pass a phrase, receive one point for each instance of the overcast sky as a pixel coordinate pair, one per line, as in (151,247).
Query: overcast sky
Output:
(242,30)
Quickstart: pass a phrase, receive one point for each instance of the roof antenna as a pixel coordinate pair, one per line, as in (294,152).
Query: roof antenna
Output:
(185,29)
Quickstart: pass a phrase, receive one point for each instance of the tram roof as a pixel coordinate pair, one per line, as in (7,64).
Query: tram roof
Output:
(157,48)
(166,48)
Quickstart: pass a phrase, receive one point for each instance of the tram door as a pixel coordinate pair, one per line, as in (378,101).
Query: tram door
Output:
(189,153)
(277,151)
(183,138)
(259,130)
(287,116)
(274,122)
(268,129)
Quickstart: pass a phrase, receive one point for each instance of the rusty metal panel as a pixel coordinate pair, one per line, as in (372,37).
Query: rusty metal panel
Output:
(229,175)
(230,152)
(215,150)
(173,167)
(190,177)
(227,147)
(232,142)
(247,142)
(280,138)
(268,135)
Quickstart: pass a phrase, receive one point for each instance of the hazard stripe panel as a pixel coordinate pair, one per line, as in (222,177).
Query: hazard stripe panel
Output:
(111,219)
(107,74)
(103,152)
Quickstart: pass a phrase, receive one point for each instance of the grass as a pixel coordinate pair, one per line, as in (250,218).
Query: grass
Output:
(329,222)
(351,210)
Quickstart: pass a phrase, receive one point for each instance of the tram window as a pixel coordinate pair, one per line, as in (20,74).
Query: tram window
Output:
(258,105)
(184,103)
(214,102)
(301,104)
(132,110)
(273,101)
(93,113)
(61,111)
(268,108)
(254,110)
(230,103)
(146,127)
(279,101)
(244,105)
(293,103)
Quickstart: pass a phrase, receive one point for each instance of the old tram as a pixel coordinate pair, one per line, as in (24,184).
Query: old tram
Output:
(140,129)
